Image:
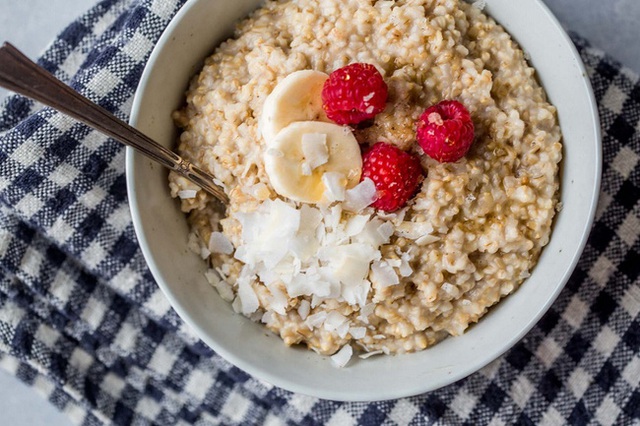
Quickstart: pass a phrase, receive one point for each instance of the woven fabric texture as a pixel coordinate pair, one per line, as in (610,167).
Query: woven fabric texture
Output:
(82,321)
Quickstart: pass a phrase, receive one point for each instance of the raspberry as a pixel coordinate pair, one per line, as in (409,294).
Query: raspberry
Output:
(354,93)
(395,173)
(445,131)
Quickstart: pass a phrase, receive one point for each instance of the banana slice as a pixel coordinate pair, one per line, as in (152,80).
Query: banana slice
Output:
(291,173)
(298,97)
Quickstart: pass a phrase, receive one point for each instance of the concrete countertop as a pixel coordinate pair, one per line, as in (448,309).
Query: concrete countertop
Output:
(31,24)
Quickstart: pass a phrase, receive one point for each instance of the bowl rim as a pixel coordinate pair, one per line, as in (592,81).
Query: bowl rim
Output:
(262,371)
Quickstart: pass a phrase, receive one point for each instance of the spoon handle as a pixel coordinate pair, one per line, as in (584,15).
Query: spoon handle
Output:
(19,74)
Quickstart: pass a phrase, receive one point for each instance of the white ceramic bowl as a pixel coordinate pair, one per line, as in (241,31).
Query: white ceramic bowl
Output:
(162,228)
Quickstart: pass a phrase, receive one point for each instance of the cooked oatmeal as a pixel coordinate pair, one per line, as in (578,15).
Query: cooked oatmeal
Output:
(468,238)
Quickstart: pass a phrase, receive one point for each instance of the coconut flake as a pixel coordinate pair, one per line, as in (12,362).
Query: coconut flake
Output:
(204,253)
(303,309)
(334,320)
(358,332)
(413,230)
(267,318)
(278,301)
(316,320)
(304,245)
(370,354)
(356,293)
(193,242)
(356,224)
(394,262)
(264,231)
(343,330)
(360,196)
(383,275)
(375,233)
(187,194)
(396,217)
(427,239)
(246,294)
(286,269)
(224,289)
(348,263)
(219,243)
(223,271)
(268,276)
(259,191)
(342,357)
(334,186)
(308,284)
(237,305)
(365,311)
(385,231)
(212,277)
(316,301)
(314,149)
(310,219)
(405,268)
(332,217)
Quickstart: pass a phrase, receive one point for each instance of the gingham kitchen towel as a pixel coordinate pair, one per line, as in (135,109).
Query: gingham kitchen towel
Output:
(83,322)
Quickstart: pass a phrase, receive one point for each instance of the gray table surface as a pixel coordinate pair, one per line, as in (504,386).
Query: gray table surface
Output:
(31,24)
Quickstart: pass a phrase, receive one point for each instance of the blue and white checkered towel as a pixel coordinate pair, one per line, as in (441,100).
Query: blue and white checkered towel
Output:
(82,320)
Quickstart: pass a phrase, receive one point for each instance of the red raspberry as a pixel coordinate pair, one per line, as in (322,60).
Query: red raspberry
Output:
(445,131)
(354,93)
(395,173)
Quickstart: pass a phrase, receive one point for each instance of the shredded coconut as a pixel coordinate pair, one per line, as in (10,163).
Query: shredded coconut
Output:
(311,251)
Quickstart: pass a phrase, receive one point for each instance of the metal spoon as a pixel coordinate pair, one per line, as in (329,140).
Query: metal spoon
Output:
(19,74)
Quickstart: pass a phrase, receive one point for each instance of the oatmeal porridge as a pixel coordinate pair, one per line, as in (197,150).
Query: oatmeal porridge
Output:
(302,246)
